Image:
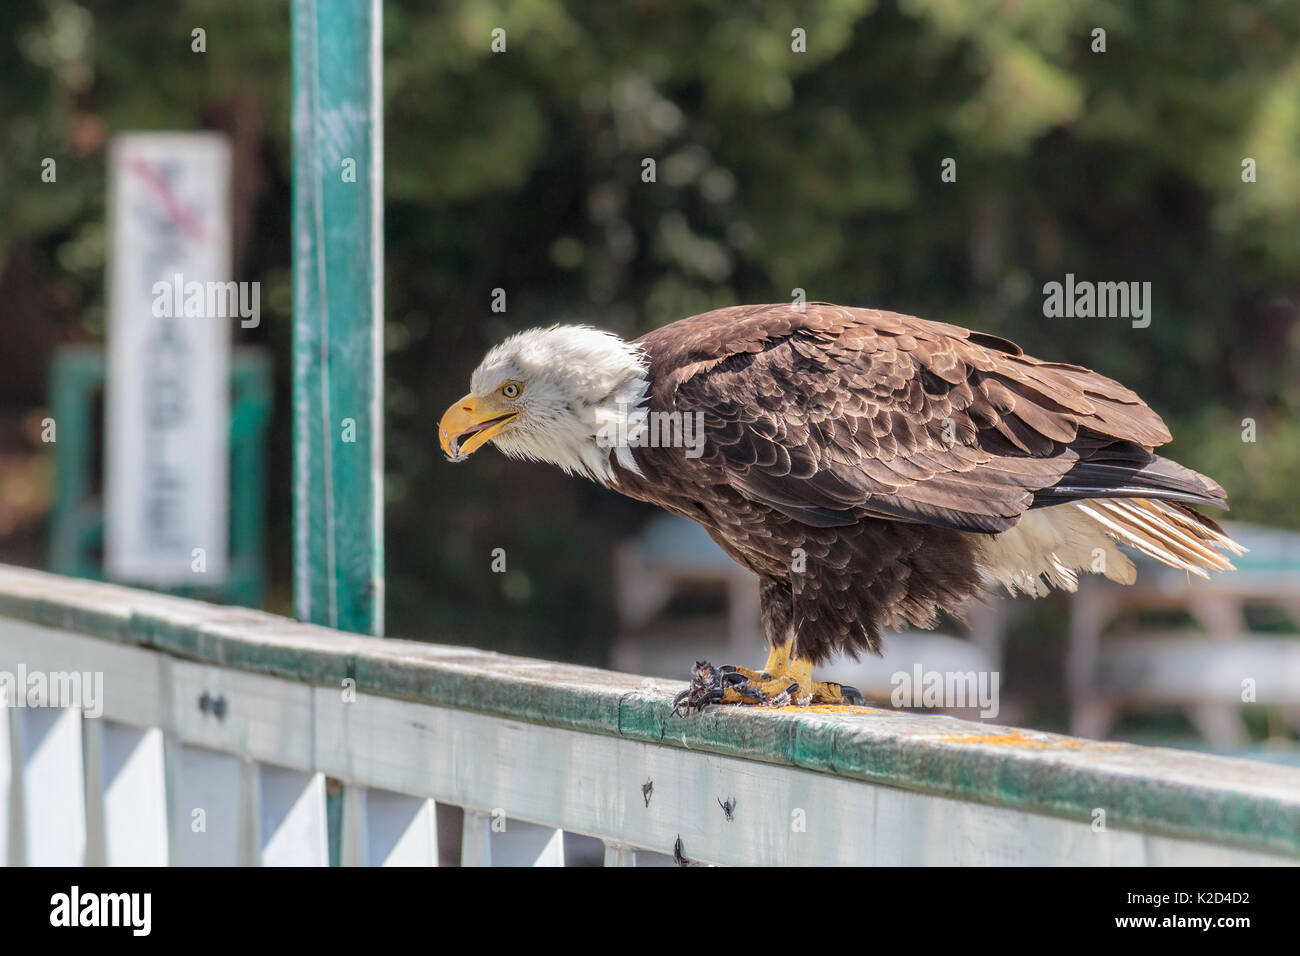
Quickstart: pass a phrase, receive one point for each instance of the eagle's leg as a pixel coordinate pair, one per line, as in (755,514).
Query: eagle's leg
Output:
(784,679)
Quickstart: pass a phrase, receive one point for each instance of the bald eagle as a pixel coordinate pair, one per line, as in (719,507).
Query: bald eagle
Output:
(873,469)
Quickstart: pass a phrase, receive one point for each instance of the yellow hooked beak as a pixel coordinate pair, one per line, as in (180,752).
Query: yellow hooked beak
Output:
(466,426)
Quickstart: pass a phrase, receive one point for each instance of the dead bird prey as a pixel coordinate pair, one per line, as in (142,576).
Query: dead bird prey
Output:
(871,468)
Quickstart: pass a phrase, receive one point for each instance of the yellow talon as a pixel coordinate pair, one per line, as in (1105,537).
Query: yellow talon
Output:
(784,680)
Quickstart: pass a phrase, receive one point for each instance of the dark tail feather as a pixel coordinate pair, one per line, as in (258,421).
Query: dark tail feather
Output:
(1130,471)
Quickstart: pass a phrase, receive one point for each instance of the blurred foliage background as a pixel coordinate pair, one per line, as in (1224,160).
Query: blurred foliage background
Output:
(776,169)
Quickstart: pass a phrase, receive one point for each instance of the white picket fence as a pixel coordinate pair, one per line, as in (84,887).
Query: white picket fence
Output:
(224,740)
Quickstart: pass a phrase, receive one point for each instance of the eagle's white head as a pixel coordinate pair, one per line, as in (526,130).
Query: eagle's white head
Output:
(552,395)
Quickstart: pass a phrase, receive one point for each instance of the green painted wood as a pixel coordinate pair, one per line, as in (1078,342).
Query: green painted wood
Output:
(76,373)
(77,521)
(1175,793)
(338,314)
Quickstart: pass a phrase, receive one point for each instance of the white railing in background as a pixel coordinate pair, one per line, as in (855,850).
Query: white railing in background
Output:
(234,737)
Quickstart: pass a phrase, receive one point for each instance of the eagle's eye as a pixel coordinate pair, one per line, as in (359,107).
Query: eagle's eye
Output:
(511,389)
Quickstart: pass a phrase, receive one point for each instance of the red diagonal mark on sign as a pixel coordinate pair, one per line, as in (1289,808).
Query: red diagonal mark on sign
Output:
(158,185)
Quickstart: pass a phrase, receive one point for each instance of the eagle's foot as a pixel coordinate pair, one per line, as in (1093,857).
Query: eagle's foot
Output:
(827,693)
(772,691)
(781,683)
(789,689)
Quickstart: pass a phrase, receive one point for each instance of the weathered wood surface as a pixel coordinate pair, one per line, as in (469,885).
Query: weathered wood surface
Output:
(1155,791)
(338,309)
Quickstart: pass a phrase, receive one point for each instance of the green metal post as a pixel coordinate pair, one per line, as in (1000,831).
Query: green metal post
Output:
(338,314)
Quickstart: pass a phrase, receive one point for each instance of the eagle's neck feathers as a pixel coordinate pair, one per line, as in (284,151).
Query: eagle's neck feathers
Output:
(582,384)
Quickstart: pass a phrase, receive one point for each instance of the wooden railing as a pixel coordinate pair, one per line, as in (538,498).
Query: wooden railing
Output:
(226,736)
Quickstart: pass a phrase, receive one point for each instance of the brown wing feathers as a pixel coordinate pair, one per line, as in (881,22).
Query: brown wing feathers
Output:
(835,412)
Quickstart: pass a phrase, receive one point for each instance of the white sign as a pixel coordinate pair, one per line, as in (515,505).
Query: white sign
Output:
(168,388)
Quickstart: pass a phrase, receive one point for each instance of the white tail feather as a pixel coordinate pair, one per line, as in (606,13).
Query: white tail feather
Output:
(1049,545)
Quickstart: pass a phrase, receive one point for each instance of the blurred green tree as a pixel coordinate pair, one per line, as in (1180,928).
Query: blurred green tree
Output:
(776,167)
